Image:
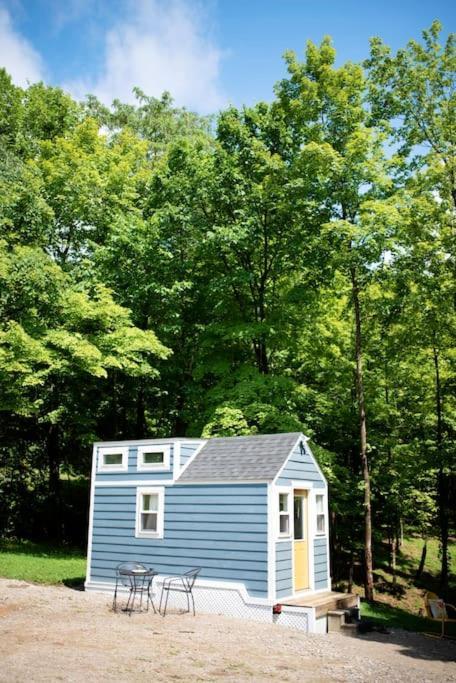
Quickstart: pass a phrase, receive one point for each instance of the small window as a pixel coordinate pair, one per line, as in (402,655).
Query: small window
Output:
(113,459)
(155,457)
(149,512)
(321,516)
(284,514)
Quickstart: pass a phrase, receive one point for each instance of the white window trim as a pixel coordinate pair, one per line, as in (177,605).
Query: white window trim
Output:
(154,467)
(147,490)
(284,535)
(110,451)
(322,493)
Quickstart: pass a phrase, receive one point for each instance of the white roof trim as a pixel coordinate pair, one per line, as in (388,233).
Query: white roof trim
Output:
(305,439)
(191,459)
(147,442)
(222,481)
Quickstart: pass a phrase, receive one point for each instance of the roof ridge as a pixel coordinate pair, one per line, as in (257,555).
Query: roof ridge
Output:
(253,436)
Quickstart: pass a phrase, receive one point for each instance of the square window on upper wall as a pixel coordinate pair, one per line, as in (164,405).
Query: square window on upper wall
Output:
(112,459)
(154,458)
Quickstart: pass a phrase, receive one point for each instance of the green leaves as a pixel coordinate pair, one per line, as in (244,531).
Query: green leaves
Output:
(62,330)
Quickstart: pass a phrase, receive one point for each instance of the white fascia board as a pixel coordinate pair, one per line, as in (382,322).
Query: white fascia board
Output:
(114,482)
(277,476)
(169,482)
(271,543)
(218,482)
(91,510)
(145,442)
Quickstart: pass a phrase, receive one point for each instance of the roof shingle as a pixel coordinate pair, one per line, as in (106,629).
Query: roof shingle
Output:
(243,458)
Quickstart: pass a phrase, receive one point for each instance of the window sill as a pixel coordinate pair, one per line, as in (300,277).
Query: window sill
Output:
(145,534)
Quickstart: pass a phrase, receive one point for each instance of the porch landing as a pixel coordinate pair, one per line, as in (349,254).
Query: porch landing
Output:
(325,602)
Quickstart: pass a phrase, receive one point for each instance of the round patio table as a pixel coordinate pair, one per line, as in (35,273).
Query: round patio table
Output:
(138,580)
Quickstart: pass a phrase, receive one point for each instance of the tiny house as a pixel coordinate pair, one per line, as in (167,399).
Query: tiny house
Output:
(251,511)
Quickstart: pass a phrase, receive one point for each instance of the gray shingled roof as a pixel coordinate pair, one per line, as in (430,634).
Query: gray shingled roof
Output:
(245,458)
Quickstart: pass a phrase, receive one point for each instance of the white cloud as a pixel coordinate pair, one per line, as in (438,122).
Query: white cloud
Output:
(17,56)
(160,46)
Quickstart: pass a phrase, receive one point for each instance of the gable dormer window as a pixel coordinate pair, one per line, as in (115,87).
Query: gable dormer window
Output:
(153,458)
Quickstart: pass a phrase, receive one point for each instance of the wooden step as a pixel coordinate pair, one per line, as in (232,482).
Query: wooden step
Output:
(325,602)
(349,630)
(336,619)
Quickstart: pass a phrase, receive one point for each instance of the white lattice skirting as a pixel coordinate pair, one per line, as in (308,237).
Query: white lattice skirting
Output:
(227,601)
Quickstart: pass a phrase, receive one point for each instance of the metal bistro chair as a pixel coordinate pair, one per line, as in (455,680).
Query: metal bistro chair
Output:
(137,578)
(179,583)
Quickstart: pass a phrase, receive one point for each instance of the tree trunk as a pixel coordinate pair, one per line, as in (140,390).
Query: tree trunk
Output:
(393,563)
(261,356)
(140,415)
(420,569)
(368,564)
(399,534)
(442,481)
(54,487)
(351,572)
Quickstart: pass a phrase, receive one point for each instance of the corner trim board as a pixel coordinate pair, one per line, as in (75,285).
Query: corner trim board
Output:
(91,511)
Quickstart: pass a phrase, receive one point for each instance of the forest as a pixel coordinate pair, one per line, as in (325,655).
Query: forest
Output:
(288,266)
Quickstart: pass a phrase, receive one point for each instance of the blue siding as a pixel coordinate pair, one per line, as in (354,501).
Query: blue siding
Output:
(300,466)
(320,562)
(284,580)
(187,450)
(221,528)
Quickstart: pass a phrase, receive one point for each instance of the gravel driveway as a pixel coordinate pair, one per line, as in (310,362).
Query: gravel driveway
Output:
(52,633)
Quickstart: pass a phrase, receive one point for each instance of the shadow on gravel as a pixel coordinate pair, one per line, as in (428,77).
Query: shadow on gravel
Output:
(416,645)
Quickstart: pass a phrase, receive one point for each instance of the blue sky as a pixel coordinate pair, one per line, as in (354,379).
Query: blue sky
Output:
(207,53)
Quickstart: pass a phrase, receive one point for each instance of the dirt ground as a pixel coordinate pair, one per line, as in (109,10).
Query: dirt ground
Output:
(58,634)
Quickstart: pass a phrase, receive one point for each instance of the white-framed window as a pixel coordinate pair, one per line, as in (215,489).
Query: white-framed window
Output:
(150,512)
(112,459)
(153,458)
(284,514)
(320,511)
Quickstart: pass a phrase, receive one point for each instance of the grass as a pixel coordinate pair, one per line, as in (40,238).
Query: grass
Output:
(383,614)
(39,563)
(401,604)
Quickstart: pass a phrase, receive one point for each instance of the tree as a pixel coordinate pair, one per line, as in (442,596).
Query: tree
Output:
(154,120)
(413,96)
(56,339)
(326,110)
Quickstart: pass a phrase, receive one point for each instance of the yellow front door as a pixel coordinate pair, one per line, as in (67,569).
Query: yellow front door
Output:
(300,542)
